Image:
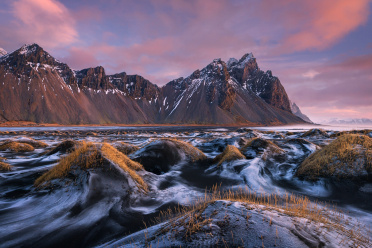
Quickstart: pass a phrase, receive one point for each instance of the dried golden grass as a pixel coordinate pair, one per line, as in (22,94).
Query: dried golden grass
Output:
(34,143)
(260,143)
(126,148)
(124,163)
(315,131)
(343,152)
(86,155)
(5,166)
(191,151)
(16,147)
(230,153)
(192,220)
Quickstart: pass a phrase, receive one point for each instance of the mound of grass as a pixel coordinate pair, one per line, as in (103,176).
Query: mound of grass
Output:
(261,144)
(315,132)
(124,163)
(86,156)
(230,153)
(365,132)
(126,148)
(266,147)
(65,146)
(191,151)
(16,147)
(33,142)
(89,155)
(5,166)
(349,156)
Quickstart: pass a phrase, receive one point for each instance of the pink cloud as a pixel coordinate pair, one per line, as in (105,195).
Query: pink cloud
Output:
(47,22)
(320,24)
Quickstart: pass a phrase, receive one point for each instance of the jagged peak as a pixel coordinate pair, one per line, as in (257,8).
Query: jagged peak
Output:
(29,48)
(241,63)
(2,52)
(232,62)
(246,57)
(85,70)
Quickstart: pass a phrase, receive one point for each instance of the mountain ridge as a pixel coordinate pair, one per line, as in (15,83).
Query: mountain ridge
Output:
(296,111)
(236,92)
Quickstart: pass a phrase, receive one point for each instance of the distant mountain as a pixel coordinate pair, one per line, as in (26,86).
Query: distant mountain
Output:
(236,92)
(337,121)
(34,86)
(296,111)
(2,52)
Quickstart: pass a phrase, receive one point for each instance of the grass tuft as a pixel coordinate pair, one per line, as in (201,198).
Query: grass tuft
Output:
(124,163)
(315,132)
(33,142)
(260,144)
(230,153)
(191,218)
(126,148)
(346,157)
(16,147)
(191,151)
(86,155)
(5,166)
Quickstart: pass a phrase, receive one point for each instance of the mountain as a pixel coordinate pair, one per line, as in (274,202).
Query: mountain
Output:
(2,52)
(36,87)
(236,92)
(296,111)
(360,121)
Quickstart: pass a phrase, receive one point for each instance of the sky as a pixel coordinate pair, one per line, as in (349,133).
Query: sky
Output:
(321,50)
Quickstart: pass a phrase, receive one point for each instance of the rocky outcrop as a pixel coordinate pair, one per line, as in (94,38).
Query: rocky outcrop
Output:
(135,86)
(94,78)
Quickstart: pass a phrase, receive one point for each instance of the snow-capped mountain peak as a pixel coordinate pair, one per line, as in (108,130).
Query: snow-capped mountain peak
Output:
(28,49)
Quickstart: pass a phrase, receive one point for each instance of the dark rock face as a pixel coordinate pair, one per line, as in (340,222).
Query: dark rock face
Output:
(36,87)
(135,86)
(232,92)
(94,78)
(263,84)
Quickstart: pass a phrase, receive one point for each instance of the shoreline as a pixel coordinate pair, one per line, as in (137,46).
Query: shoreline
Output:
(33,124)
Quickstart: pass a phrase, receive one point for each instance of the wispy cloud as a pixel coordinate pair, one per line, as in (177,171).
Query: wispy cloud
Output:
(47,22)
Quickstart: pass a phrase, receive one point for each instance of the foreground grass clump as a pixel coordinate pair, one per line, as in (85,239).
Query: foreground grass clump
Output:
(260,144)
(89,155)
(124,163)
(185,221)
(365,132)
(126,148)
(349,156)
(315,132)
(16,147)
(5,166)
(191,151)
(85,156)
(33,142)
(230,153)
